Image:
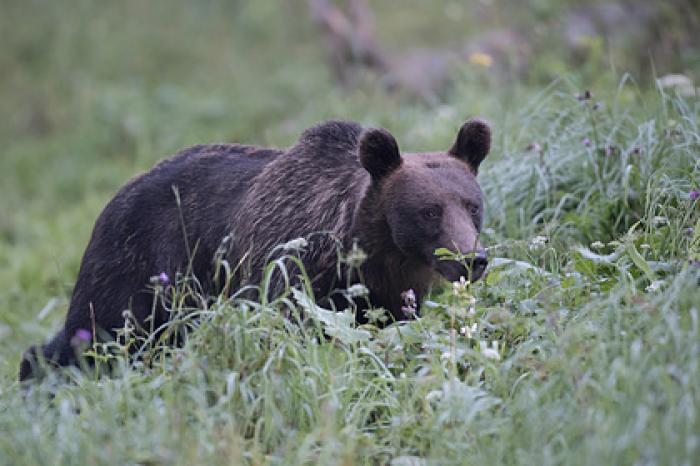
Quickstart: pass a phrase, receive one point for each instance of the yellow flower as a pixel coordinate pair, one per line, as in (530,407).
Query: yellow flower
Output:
(481,59)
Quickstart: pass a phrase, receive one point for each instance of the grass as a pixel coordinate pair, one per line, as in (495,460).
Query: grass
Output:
(581,346)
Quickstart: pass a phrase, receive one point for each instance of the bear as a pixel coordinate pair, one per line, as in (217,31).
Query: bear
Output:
(339,186)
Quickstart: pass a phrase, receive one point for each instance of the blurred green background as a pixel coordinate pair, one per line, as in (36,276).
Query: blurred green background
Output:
(93,92)
(584,351)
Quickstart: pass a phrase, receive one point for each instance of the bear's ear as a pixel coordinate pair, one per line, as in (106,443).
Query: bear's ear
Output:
(473,143)
(379,153)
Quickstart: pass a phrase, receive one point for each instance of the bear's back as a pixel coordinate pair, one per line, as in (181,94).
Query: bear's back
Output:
(175,214)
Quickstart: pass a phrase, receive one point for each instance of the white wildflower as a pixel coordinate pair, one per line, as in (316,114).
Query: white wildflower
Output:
(490,352)
(409,297)
(654,286)
(468,330)
(460,286)
(659,221)
(538,242)
(472,307)
(357,290)
(597,245)
(295,244)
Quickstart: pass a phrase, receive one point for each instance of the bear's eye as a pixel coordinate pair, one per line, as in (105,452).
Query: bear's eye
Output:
(432,213)
(472,208)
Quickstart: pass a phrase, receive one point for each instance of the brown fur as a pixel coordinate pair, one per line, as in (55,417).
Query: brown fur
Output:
(338,184)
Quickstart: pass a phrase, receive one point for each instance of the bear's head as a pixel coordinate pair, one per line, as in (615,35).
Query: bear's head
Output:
(429,201)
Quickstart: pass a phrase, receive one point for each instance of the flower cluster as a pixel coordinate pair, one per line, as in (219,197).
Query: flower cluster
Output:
(538,242)
(460,287)
(410,303)
(161,279)
(469,331)
(357,291)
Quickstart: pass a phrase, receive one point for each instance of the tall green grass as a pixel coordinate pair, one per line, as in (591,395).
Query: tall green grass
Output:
(566,353)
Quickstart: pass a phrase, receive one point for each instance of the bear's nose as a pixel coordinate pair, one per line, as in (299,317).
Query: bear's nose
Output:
(478,265)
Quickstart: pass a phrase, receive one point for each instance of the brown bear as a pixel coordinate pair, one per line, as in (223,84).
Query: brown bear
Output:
(338,185)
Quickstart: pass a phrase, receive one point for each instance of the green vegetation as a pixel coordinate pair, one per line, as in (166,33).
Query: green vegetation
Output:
(582,346)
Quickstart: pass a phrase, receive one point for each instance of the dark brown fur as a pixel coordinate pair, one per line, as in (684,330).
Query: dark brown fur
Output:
(336,185)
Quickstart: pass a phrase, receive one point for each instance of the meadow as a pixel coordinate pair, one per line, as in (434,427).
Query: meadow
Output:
(581,346)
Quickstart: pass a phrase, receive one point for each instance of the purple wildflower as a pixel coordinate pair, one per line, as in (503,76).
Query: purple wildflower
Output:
(83,335)
(693,195)
(409,298)
(163,278)
(586,142)
(689,231)
(81,338)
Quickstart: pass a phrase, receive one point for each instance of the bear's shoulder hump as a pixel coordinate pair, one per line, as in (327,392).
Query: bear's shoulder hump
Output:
(335,132)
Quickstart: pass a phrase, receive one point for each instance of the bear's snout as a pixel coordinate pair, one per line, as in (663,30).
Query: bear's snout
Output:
(478,265)
(471,269)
